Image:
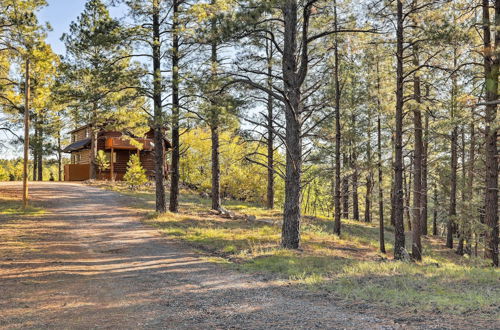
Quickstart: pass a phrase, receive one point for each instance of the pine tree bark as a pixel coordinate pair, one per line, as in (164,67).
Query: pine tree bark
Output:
(424,200)
(214,128)
(399,233)
(462,225)
(175,174)
(355,195)
(59,157)
(161,203)
(345,188)
(453,190)
(337,223)
(491,72)
(369,176)
(294,67)
(27,86)
(416,249)
(270,130)
(379,167)
(216,200)
(434,215)
(470,176)
(35,149)
(39,147)
(407,194)
(450,228)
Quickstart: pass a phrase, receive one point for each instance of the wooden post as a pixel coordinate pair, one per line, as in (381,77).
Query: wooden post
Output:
(26,133)
(112,165)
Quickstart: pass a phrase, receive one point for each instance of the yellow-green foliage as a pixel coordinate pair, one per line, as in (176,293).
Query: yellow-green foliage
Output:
(102,161)
(4,175)
(12,170)
(136,174)
(240,178)
(348,267)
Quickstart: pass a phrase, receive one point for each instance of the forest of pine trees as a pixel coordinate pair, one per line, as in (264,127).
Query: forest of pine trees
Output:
(382,111)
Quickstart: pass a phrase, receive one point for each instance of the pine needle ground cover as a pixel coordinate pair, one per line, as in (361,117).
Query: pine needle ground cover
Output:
(349,268)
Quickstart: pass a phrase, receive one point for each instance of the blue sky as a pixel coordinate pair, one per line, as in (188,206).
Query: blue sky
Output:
(60,14)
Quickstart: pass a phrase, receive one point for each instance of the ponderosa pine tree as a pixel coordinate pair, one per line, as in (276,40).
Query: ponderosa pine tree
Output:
(491,72)
(98,69)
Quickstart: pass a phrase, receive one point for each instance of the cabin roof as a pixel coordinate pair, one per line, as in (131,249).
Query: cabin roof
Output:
(78,145)
(79,129)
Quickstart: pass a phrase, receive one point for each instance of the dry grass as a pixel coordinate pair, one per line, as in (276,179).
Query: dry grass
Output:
(349,267)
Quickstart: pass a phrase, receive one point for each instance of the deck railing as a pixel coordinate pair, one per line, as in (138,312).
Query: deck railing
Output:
(127,144)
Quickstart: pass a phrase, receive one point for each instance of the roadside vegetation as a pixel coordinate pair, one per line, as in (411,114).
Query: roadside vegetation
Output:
(349,267)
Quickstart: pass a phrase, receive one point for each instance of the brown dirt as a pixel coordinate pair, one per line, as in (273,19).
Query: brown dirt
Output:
(90,263)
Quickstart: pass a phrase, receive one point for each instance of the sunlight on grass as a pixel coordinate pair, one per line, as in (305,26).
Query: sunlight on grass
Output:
(349,267)
(13,208)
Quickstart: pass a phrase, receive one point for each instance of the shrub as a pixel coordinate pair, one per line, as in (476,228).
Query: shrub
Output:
(136,174)
(101,161)
(4,175)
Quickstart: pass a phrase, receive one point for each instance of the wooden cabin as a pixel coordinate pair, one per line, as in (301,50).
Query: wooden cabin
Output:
(118,148)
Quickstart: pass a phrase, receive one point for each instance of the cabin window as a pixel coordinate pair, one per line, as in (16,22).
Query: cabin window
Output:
(87,132)
(78,157)
(73,138)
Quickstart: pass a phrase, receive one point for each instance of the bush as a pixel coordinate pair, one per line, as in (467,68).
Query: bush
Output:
(136,174)
(101,161)
(4,175)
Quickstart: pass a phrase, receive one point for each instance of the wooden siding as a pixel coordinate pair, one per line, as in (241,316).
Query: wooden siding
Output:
(80,134)
(80,157)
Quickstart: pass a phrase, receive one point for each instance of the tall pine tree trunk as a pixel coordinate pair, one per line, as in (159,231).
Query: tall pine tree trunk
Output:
(462,225)
(424,199)
(27,87)
(345,188)
(470,176)
(175,175)
(270,130)
(59,157)
(379,167)
(416,249)
(369,176)
(336,227)
(214,128)
(491,71)
(216,200)
(39,147)
(294,75)
(34,142)
(161,203)
(399,233)
(354,166)
(450,228)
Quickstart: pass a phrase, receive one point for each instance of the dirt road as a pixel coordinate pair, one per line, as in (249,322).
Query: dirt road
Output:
(90,263)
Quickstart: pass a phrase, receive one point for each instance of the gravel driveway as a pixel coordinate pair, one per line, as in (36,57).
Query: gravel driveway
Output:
(90,263)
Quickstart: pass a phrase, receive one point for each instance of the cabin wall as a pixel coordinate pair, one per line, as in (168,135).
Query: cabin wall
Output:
(121,157)
(80,134)
(80,157)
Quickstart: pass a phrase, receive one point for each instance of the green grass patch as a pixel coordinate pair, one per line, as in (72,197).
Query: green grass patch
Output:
(11,208)
(349,267)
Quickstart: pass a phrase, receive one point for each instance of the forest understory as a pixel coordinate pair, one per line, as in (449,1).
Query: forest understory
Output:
(349,268)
